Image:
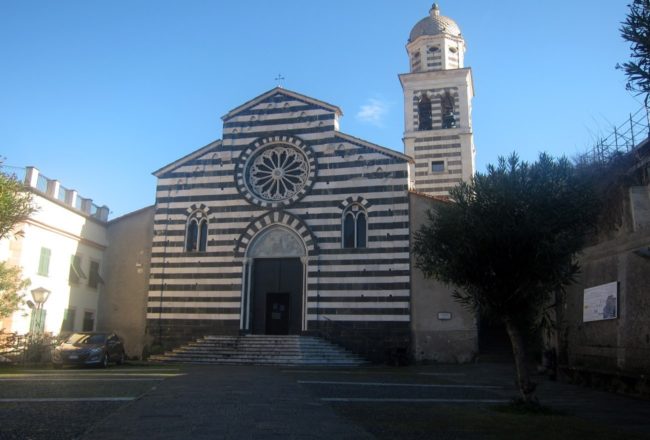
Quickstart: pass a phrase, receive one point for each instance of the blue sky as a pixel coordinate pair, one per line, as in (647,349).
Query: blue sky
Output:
(100,94)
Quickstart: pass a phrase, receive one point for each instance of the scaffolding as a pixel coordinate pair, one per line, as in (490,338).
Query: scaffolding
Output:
(625,138)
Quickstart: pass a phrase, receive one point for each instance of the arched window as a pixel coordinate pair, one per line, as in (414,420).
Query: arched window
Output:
(196,237)
(447,106)
(424,113)
(355,227)
(192,235)
(203,235)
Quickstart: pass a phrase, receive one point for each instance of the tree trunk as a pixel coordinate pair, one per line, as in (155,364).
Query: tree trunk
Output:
(526,387)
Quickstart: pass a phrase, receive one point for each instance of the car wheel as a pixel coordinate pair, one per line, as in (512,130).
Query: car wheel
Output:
(105,360)
(120,360)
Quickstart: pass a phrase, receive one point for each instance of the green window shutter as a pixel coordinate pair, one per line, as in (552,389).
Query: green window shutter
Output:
(44,262)
(75,270)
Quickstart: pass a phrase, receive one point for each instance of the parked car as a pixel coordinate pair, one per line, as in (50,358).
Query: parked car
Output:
(89,348)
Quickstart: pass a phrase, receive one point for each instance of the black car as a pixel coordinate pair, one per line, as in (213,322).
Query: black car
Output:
(89,348)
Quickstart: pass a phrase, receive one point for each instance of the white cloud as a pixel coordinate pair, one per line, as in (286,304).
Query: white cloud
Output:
(373,112)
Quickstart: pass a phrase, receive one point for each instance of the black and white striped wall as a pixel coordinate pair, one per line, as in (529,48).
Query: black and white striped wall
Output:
(443,156)
(357,296)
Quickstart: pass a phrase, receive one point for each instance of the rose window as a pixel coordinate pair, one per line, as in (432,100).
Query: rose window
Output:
(278,173)
(275,171)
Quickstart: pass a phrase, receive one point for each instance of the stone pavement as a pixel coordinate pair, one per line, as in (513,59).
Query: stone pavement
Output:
(244,402)
(227,402)
(615,410)
(618,412)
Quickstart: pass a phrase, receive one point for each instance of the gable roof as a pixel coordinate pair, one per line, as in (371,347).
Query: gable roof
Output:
(384,150)
(193,155)
(261,98)
(279,90)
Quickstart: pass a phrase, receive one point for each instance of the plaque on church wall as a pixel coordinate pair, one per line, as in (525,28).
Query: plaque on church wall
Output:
(600,302)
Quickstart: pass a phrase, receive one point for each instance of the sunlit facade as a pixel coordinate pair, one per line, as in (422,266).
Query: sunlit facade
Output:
(60,248)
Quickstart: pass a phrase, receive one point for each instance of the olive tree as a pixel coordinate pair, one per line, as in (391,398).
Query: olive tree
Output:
(507,241)
(15,207)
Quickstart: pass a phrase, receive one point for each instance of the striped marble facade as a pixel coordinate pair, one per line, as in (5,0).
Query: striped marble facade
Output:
(437,146)
(367,289)
(429,57)
(442,147)
(435,95)
(434,57)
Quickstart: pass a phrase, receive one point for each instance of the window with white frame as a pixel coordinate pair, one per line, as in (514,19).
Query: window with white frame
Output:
(355,227)
(196,236)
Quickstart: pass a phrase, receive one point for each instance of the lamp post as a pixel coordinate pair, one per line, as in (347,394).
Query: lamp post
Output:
(37,324)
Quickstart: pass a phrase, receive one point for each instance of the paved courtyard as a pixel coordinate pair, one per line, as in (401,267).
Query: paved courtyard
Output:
(236,402)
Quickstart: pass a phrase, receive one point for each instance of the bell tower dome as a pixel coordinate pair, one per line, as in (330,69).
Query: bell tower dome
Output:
(438,92)
(435,43)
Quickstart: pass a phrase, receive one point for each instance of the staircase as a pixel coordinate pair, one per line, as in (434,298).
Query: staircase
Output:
(288,350)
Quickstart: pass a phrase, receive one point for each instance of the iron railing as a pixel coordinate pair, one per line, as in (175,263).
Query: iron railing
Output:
(19,172)
(27,348)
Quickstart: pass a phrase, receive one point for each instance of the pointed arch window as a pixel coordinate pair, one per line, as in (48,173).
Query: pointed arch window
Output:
(355,227)
(424,113)
(447,106)
(196,236)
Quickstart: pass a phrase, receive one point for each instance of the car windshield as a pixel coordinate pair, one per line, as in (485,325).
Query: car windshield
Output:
(82,338)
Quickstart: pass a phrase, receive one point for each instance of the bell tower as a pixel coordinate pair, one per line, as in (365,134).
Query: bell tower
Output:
(438,94)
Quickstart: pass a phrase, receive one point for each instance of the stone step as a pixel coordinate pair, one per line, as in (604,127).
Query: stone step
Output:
(261,358)
(204,360)
(262,350)
(265,356)
(265,352)
(259,344)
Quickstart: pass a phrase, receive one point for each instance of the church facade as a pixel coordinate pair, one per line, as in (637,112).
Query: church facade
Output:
(288,226)
(284,226)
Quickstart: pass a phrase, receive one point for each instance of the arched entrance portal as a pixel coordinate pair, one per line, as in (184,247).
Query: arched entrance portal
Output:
(274,283)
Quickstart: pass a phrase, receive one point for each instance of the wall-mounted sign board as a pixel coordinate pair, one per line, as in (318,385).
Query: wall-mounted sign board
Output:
(600,302)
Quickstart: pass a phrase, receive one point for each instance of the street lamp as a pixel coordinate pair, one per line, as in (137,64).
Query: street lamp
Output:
(37,324)
(40,295)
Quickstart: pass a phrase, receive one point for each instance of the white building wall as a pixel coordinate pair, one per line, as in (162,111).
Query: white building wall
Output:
(65,231)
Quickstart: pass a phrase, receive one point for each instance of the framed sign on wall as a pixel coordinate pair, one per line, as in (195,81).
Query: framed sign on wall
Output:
(600,302)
